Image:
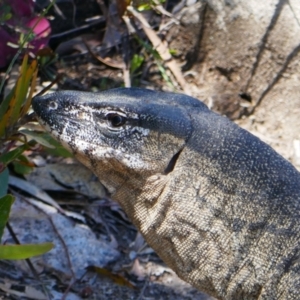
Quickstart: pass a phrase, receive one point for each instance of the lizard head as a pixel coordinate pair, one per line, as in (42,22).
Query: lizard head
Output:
(121,132)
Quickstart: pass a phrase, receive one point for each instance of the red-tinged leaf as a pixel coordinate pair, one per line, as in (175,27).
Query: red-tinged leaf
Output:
(5,205)
(22,90)
(29,74)
(5,103)
(23,69)
(24,251)
(116,278)
(3,111)
(12,104)
(27,103)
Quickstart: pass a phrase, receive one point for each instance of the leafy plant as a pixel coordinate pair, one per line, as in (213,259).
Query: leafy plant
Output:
(135,66)
(13,143)
(13,109)
(15,251)
(157,59)
(136,62)
(20,29)
(146,5)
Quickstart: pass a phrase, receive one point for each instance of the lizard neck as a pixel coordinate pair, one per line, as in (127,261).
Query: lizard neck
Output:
(123,185)
(225,219)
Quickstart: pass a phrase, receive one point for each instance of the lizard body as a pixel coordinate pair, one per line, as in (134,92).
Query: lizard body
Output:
(217,204)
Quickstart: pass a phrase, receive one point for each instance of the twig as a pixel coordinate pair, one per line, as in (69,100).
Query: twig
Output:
(102,7)
(48,87)
(141,295)
(158,7)
(161,48)
(32,202)
(75,30)
(28,261)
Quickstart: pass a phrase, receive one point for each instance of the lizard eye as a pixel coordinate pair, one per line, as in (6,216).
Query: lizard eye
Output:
(116,120)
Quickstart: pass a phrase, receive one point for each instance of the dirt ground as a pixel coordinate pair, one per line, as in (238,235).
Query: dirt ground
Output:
(251,76)
(241,68)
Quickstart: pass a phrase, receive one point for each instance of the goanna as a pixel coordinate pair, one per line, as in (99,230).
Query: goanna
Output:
(218,205)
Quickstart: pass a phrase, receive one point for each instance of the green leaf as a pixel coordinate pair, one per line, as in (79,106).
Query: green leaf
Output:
(136,62)
(6,14)
(5,205)
(173,51)
(22,166)
(144,7)
(164,74)
(58,149)
(20,93)
(8,157)
(39,137)
(23,251)
(21,169)
(4,182)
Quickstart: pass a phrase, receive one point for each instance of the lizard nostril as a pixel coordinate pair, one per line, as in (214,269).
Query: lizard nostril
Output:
(52,105)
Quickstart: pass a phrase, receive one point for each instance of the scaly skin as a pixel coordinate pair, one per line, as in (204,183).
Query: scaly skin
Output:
(218,205)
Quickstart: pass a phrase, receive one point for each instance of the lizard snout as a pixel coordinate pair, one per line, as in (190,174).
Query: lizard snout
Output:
(43,104)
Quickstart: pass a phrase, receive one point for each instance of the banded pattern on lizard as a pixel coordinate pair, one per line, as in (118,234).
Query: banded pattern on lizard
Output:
(218,205)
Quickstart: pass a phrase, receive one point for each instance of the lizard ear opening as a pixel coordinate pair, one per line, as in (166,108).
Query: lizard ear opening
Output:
(172,163)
